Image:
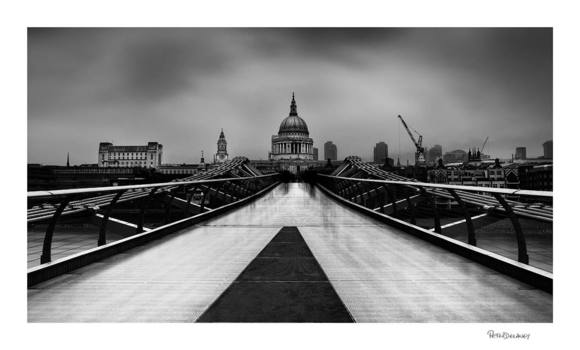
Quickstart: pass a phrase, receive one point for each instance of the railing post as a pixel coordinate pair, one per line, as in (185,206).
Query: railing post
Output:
(470,229)
(202,203)
(411,210)
(168,208)
(341,186)
(189,199)
(248,187)
(231,188)
(385,198)
(360,189)
(144,207)
(433,201)
(261,184)
(237,190)
(394,200)
(333,186)
(349,190)
(47,245)
(353,192)
(373,199)
(346,190)
(244,187)
(393,197)
(521,239)
(216,196)
(103,230)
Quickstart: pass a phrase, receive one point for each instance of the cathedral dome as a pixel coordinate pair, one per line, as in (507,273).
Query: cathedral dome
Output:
(293,123)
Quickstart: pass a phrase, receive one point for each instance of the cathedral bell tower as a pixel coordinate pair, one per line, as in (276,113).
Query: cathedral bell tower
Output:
(222,151)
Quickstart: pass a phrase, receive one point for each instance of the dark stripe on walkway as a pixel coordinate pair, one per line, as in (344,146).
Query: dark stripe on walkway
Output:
(284,283)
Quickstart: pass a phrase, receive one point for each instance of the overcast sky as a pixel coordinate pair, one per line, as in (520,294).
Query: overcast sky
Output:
(181,86)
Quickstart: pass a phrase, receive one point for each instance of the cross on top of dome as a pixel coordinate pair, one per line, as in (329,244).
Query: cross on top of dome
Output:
(293,123)
(293,109)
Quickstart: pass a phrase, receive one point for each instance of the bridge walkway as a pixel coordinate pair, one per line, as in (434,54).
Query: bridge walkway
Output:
(380,273)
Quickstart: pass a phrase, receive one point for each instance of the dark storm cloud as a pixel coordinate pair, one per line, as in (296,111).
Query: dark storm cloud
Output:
(157,69)
(326,42)
(162,65)
(333,45)
(180,86)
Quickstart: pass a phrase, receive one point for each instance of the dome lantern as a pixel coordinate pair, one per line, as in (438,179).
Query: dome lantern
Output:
(293,109)
(293,124)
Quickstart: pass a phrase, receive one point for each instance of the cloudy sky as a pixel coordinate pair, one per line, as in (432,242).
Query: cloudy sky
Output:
(181,86)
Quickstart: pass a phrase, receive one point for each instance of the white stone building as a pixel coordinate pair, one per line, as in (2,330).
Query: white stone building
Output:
(148,156)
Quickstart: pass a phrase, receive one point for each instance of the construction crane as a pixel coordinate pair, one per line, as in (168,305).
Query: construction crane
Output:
(483,146)
(420,152)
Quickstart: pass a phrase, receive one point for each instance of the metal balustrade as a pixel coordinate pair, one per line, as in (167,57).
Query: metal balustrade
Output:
(215,193)
(237,167)
(390,196)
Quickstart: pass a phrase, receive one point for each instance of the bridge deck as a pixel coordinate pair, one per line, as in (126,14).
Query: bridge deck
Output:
(379,273)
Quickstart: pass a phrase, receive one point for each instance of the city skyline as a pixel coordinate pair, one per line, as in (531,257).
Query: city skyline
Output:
(367,157)
(179,87)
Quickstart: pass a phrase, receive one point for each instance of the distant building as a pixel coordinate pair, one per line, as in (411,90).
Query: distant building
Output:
(520,153)
(434,153)
(536,177)
(531,175)
(315,153)
(548,149)
(380,152)
(50,177)
(456,156)
(222,149)
(180,169)
(330,151)
(149,156)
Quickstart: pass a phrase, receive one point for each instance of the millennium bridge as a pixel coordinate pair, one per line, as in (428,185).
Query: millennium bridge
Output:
(233,244)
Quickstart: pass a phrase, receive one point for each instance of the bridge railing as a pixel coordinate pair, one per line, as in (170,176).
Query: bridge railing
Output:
(211,194)
(392,197)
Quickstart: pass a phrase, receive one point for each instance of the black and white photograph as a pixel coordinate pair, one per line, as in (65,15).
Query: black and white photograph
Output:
(290,175)
(278,175)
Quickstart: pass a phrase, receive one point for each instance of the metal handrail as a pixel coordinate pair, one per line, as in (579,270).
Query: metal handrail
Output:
(149,191)
(52,193)
(493,199)
(454,187)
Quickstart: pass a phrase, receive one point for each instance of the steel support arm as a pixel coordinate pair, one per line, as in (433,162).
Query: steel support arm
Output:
(103,230)
(467,215)
(521,239)
(144,207)
(47,245)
